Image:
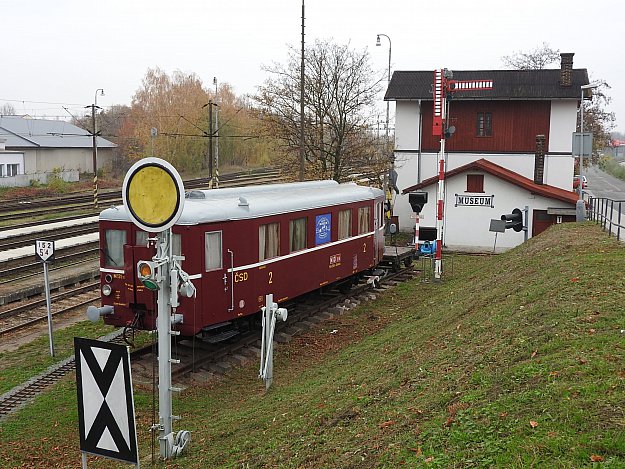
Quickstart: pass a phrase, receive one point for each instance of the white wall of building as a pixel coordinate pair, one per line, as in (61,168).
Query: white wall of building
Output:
(558,172)
(11,158)
(407,125)
(469,225)
(562,123)
(41,160)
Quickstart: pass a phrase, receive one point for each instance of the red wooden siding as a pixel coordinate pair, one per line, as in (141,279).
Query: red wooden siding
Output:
(515,126)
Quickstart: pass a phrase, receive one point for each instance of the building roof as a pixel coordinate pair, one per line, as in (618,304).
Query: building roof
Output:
(507,84)
(238,203)
(505,174)
(21,132)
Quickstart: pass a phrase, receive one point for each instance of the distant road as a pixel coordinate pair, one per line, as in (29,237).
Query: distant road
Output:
(602,184)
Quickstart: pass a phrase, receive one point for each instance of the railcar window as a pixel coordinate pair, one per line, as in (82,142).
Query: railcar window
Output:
(345,224)
(212,250)
(297,234)
(268,241)
(114,249)
(141,238)
(364,215)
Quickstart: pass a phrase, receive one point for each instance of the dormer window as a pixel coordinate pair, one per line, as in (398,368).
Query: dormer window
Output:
(484,124)
(475,183)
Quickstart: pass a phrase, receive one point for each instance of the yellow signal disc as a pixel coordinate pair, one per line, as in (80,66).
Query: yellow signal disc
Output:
(153,194)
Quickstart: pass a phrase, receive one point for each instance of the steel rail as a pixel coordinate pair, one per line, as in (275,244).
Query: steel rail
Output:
(21,395)
(39,303)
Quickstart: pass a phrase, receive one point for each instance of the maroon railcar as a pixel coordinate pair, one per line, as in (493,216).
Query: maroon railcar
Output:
(241,244)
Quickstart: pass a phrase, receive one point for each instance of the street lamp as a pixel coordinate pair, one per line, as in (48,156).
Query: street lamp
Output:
(94,106)
(590,86)
(379,43)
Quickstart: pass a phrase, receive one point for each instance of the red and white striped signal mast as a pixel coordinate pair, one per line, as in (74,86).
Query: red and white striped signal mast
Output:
(443,85)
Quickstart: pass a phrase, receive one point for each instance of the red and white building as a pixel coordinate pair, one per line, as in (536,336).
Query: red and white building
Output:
(498,126)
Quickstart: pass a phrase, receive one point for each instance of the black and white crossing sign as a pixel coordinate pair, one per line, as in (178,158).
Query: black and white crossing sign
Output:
(105,401)
(44,250)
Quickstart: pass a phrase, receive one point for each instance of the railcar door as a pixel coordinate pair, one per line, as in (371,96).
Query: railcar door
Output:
(378,230)
(143,298)
(217,281)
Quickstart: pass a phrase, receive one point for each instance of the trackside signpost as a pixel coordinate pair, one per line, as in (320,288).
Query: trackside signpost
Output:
(44,251)
(106,411)
(153,195)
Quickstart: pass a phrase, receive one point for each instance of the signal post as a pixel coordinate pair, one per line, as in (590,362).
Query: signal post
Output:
(444,85)
(153,194)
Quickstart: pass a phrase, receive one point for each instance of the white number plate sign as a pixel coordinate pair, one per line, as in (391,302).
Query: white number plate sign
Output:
(44,250)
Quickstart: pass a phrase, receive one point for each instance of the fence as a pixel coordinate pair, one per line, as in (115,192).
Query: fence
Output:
(25,180)
(608,213)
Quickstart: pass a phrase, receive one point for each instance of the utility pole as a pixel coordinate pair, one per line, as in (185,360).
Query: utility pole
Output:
(301,107)
(94,134)
(210,144)
(216,136)
(95,157)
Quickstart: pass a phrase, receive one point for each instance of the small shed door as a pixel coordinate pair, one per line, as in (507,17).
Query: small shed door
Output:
(541,220)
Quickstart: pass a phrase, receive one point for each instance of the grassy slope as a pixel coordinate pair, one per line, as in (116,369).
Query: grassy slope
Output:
(515,360)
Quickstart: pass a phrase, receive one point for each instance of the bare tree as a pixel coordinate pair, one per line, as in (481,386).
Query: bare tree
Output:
(7,109)
(597,119)
(340,89)
(536,59)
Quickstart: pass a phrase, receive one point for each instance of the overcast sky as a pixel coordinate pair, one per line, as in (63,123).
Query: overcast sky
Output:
(57,53)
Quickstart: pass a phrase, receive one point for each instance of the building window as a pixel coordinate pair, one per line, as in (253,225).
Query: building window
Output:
(484,124)
(268,241)
(12,169)
(297,234)
(212,250)
(475,183)
(1,170)
(364,215)
(345,224)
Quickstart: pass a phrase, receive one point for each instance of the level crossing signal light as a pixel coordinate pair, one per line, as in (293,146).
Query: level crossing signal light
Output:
(146,271)
(417,200)
(514,220)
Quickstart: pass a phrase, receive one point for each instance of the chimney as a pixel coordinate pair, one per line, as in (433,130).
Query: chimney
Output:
(3,142)
(566,68)
(539,159)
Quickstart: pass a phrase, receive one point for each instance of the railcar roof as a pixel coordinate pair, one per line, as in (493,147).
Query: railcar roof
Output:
(259,201)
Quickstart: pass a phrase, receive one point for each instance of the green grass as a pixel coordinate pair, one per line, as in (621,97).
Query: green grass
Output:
(517,360)
(611,166)
(33,358)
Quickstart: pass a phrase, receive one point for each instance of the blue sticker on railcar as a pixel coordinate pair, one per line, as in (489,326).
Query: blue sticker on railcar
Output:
(323,229)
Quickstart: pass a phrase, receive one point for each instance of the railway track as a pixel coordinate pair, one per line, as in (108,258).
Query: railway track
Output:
(20,210)
(19,317)
(217,359)
(28,239)
(304,312)
(12,275)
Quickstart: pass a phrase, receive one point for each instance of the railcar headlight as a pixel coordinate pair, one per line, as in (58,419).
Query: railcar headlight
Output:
(106,290)
(108,278)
